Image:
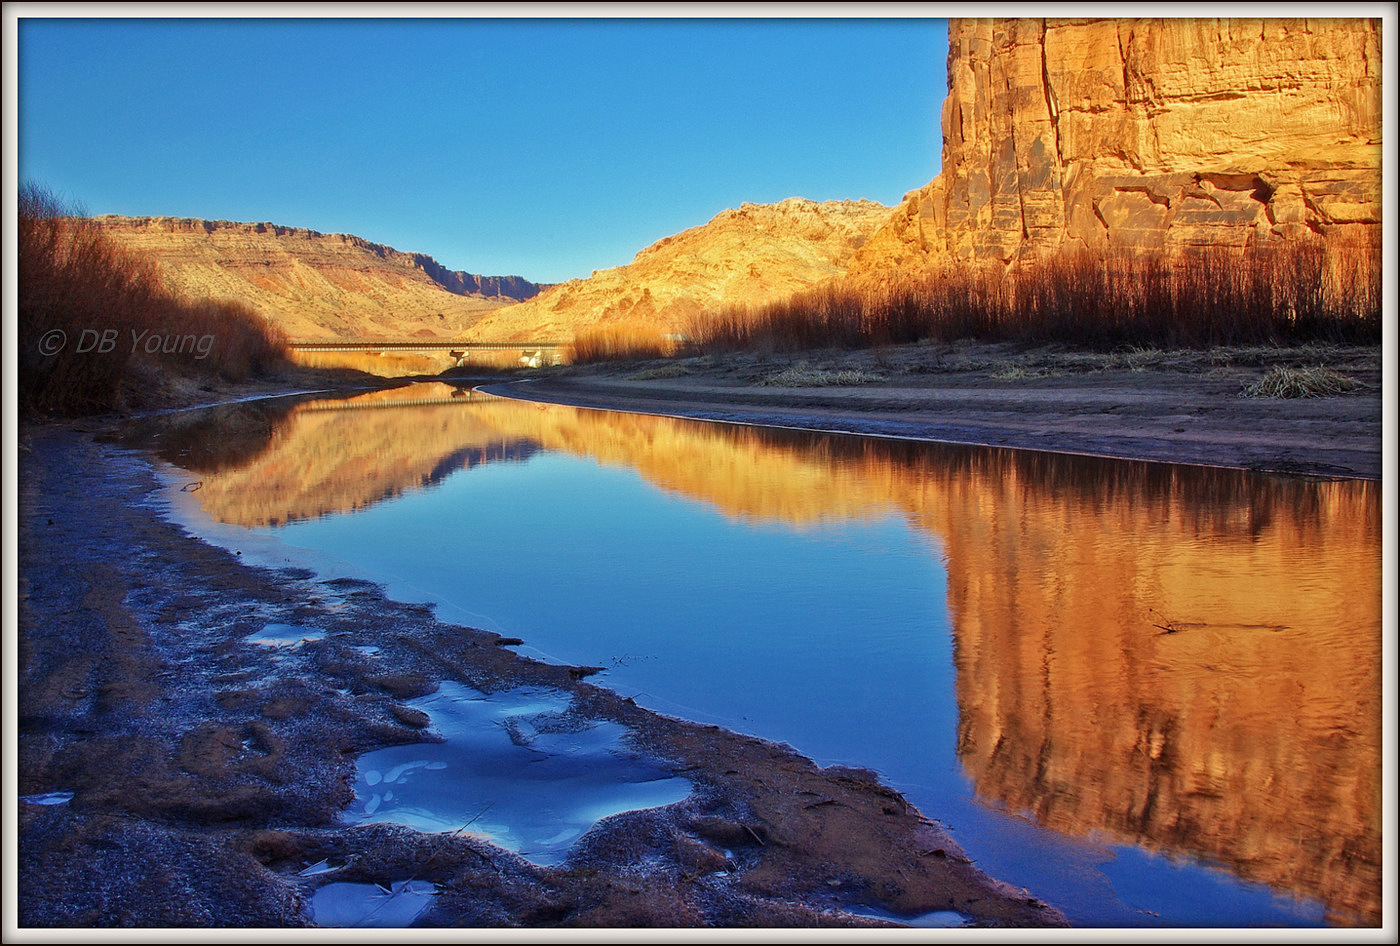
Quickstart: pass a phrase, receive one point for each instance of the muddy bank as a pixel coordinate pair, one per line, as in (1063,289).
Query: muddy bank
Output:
(1184,407)
(175,772)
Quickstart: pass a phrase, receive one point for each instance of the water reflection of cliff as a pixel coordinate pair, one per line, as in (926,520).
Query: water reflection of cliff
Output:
(270,463)
(1179,658)
(1183,658)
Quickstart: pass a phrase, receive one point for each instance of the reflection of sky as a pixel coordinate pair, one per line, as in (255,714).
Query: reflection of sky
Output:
(833,638)
(590,565)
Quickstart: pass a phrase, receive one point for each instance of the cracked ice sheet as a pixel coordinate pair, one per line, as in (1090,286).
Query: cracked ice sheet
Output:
(516,769)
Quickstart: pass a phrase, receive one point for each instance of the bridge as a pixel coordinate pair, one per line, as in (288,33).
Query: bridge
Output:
(533,354)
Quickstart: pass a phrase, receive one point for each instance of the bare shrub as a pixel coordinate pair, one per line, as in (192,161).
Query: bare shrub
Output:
(91,312)
(804,376)
(660,372)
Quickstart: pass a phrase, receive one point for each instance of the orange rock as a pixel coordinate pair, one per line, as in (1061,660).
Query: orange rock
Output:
(756,254)
(316,285)
(1156,134)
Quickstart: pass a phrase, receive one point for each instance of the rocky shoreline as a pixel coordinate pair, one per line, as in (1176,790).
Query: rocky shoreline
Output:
(173,773)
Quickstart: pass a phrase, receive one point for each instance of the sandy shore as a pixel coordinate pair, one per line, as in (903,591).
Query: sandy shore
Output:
(1184,407)
(173,773)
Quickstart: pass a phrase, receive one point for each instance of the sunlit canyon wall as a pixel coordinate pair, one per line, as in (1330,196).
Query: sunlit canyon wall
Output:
(1146,134)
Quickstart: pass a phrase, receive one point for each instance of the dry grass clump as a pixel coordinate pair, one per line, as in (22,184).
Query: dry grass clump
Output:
(1282,381)
(1266,295)
(660,372)
(94,318)
(619,342)
(1017,372)
(805,376)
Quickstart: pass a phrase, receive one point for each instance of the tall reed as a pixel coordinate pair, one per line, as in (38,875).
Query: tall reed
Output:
(612,341)
(94,317)
(1264,295)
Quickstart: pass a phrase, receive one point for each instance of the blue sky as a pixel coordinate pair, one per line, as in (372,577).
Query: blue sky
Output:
(544,148)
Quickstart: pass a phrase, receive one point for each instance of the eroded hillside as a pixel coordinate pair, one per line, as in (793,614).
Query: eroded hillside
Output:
(317,285)
(756,254)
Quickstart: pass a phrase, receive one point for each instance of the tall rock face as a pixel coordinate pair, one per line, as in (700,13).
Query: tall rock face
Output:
(1150,134)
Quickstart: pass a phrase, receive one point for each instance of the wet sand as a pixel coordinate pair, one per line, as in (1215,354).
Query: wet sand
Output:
(174,773)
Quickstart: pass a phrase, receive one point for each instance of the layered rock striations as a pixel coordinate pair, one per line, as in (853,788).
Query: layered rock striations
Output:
(1147,134)
(316,285)
(756,254)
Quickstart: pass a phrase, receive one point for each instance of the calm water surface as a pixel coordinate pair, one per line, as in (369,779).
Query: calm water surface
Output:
(1149,694)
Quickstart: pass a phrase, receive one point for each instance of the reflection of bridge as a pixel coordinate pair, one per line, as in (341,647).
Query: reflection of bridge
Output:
(458,396)
(533,353)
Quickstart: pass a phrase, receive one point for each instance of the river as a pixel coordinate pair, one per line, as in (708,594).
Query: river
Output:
(1150,694)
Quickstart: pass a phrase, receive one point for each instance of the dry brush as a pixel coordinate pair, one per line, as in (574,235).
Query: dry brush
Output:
(96,320)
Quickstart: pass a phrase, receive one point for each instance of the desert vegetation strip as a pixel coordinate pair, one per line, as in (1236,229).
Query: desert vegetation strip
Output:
(620,341)
(96,320)
(1279,295)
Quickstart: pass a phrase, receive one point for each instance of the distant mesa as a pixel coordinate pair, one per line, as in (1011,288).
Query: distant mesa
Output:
(317,285)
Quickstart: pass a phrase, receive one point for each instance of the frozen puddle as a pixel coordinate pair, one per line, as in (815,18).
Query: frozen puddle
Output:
(284,635)
(937,919)
(516,769)
(369,905)
(48,798)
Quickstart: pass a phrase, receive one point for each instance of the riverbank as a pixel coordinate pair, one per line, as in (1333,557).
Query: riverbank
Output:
(175,772)
(1169,406)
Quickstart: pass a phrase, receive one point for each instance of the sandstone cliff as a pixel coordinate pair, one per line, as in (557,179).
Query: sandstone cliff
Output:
(1149,134)
(316,285)
(756,254)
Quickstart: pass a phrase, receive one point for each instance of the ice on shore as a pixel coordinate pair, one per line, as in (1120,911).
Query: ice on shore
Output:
(370,905)
(516,768)
(285,635)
